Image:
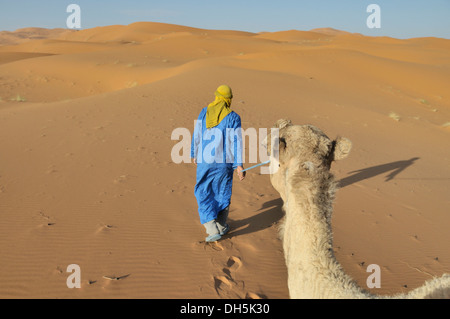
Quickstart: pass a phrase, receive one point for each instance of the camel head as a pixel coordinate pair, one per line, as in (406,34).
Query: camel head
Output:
(304,151)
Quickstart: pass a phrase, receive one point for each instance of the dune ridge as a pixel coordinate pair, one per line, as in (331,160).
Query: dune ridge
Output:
(86,175)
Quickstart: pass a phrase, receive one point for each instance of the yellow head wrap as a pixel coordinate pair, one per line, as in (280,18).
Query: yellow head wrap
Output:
(220,108)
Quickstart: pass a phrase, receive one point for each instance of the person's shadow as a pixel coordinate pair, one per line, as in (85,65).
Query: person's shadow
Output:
(271,213)
(365,173)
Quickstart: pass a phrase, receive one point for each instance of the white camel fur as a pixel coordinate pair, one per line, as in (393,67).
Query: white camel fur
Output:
(307,189)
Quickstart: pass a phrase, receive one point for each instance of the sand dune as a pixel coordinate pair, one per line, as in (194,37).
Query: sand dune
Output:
(293,36)
(331,31)
(143,32)
(86,175)
(26,34)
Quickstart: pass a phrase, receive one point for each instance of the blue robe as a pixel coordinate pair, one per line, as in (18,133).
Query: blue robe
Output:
(218,152)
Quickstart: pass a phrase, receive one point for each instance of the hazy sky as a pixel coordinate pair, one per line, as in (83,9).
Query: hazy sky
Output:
(399,18)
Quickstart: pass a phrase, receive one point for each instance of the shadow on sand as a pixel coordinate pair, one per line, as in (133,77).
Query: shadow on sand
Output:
(394,168)
(271,213)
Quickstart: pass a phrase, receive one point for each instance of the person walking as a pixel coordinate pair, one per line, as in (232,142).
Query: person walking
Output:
(216,149)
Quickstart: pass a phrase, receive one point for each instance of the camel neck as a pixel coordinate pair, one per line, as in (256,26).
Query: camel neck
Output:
(309,205)
(308,240)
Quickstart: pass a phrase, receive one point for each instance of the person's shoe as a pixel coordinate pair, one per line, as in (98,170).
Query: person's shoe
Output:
(225,230)
(213,238)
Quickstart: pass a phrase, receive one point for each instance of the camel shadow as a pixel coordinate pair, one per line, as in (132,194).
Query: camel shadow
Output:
(366,173)
(271,213)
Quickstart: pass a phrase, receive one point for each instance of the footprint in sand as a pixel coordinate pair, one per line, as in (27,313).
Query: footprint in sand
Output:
(105,228)
(222,283)
(251,295)
(226,283)
(212,245)
(116,277)
(227,286)
(234,263)
(45,220)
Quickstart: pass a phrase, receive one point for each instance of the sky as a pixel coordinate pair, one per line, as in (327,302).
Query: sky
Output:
(399,18)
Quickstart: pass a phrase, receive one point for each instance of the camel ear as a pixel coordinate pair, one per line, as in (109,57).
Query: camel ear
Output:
(282,123)
(342,148)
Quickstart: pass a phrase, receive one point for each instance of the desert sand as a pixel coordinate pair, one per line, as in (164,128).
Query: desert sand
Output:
(86,175)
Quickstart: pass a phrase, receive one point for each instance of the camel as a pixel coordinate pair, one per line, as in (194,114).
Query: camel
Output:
(307,188)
